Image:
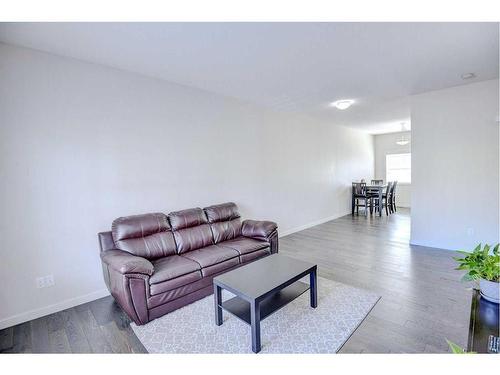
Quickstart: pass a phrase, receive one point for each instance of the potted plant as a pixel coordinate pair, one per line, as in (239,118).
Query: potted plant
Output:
(483,264)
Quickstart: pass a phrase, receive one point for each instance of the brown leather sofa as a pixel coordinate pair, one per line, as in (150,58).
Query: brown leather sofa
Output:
(156,263)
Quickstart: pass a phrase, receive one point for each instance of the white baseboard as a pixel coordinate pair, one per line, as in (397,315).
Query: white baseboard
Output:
(310,225)
(431,245)
(50,309)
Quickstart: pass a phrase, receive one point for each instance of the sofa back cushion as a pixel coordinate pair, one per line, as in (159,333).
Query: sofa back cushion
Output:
(191,229)
(224,221)
(148,236)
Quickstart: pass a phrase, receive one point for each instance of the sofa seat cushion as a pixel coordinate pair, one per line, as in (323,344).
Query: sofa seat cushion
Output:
(249,257)
(171,267)
(245,245)
(176,283)
(174,294)
(210,255)
(221,267)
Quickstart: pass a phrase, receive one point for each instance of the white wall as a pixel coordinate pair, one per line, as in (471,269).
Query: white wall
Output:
(82,144)
(455,168)
(385,144)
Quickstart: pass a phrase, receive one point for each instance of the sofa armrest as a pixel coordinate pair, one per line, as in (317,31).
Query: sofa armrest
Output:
(124,263)
(258,229)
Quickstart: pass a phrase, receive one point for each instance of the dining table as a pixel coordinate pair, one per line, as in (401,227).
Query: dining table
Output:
(372,189)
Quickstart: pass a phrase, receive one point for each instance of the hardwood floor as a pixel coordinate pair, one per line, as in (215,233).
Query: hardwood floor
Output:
(422,303)
(99,326)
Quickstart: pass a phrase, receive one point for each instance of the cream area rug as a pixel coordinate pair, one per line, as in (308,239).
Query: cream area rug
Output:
(296,328)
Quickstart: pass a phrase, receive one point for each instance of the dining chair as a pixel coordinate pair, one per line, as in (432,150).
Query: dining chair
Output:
(359,192)
(386,200)
(393,196)
(373,193)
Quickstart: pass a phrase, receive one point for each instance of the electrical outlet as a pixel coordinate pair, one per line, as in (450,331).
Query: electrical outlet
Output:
(40,282)
(49,280)
(45,281)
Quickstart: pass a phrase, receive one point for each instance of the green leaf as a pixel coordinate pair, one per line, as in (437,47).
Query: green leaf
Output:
(486,250)
(466,278)
(455,349)
(495,249)
(464,252)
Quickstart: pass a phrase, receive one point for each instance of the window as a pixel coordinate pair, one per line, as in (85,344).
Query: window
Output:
(398,168)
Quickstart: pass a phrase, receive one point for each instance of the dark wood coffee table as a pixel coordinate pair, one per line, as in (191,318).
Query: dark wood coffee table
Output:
(263,287)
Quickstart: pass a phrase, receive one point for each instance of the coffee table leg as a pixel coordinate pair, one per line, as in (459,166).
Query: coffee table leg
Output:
(218,302)
(255,324)
(313,289)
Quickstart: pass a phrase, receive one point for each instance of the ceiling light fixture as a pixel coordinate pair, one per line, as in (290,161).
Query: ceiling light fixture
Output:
(342,104)
(468,76)
(402,141)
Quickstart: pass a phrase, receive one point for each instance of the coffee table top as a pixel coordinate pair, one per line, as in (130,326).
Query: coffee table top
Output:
(262,276)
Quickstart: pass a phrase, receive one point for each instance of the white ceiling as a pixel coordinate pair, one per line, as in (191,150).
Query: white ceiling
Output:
(298,67)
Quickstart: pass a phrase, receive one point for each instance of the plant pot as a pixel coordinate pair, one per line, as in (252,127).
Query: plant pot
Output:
(490,290)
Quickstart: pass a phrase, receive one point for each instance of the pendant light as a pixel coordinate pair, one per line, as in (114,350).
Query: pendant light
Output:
(402,141)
